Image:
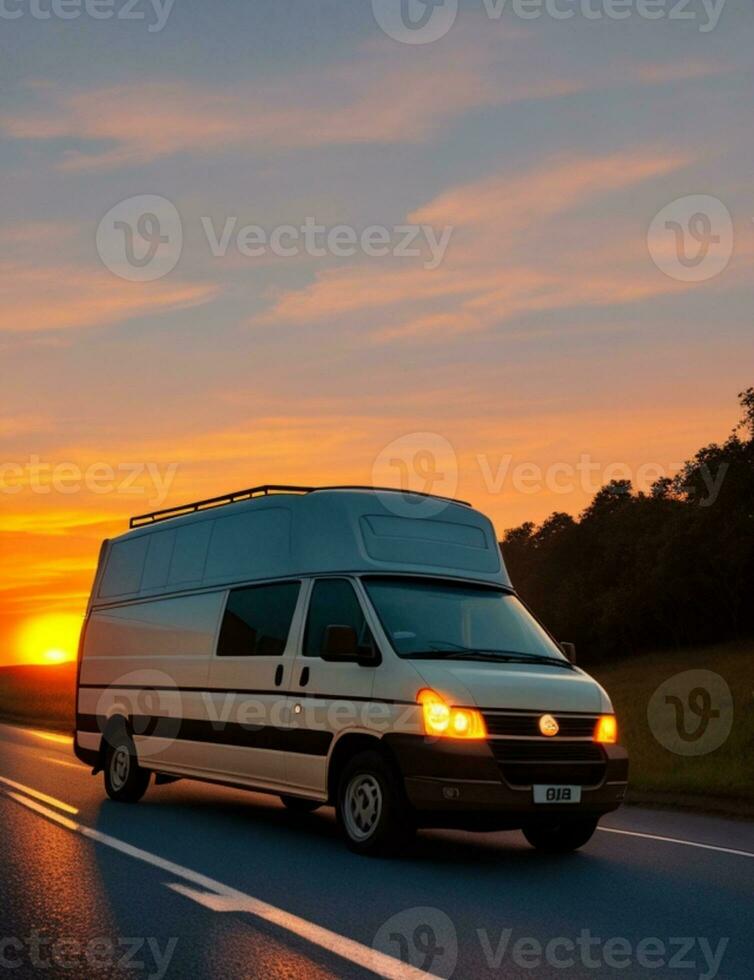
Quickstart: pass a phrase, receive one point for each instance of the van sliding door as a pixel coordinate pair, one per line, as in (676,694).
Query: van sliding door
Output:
(249,674)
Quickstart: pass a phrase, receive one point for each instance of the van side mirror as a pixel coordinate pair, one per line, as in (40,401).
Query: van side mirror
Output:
(340,643)
(569,649)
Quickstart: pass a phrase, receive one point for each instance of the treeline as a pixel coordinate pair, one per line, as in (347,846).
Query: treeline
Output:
(637,571)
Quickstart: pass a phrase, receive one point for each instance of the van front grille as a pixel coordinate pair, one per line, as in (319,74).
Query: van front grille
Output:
(524,763)
(527,725)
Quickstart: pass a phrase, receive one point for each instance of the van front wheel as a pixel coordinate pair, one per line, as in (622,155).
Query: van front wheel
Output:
(125,780)
(372,811)
(560,836)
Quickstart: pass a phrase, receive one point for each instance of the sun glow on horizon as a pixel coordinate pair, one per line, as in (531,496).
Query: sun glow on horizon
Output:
(49,639)
(56,656)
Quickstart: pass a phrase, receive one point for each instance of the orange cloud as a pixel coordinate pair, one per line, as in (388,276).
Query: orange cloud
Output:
(504,258)
(376,100)
(74,297)
(504,203)
(386,96)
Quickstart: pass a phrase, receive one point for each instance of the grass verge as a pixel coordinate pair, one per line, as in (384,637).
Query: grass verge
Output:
(719,781)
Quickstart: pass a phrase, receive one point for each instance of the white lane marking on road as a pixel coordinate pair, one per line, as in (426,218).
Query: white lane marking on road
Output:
(347,949)
(230,899)
(38,808)
(677,840)
(53,801)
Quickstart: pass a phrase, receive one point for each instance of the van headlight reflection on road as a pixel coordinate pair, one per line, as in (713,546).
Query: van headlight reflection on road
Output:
(443,721)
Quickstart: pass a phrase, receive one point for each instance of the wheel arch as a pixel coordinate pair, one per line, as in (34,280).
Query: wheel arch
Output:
(345,748)
(115,724)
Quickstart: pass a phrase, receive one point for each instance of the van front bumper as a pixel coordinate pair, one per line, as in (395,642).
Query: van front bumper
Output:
(467,784)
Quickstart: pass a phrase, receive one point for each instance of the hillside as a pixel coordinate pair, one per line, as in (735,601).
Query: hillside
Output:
(42,696)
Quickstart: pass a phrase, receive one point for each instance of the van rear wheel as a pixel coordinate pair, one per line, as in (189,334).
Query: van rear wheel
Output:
(560,836)
(372,811)
(297,804)
(125,780)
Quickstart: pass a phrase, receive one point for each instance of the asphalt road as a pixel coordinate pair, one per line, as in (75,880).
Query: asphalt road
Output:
(201,881)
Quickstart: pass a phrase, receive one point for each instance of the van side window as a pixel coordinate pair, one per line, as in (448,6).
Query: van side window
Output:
(334,603)
(257,620)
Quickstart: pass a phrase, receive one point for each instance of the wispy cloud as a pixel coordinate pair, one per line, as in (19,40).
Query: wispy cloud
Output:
(384,96)
(63,297)
(374,100)
(506,258)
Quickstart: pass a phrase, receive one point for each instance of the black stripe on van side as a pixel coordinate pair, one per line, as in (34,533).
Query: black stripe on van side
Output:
(90,723)
(299,741)
(278,692)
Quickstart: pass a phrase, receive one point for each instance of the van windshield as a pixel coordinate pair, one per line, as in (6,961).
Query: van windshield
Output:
(445,620)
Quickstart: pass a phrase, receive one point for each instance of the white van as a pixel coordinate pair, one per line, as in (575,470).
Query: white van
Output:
(347,646)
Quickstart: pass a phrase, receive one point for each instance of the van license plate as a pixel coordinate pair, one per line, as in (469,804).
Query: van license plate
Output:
(557,794)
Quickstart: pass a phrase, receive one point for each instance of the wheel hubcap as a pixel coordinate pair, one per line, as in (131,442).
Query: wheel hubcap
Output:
(119,767)
(363,806)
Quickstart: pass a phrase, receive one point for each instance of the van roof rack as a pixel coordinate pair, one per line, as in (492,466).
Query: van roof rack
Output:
(142,520)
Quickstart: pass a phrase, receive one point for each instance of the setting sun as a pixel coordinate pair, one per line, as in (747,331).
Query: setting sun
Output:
(49,639)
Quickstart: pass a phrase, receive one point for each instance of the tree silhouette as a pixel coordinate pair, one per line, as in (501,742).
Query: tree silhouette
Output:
(638,571)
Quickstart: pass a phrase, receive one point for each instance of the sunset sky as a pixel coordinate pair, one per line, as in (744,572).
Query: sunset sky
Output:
(545,334)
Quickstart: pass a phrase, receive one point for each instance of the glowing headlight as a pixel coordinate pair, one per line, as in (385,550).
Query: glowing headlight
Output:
(443,721)
(606,730)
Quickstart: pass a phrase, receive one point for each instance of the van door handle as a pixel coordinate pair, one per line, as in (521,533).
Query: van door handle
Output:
(279,675)
(304,679)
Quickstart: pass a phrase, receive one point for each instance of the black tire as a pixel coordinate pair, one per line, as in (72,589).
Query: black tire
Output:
(297,804)
(560,836)
(125,780)
(373,813)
